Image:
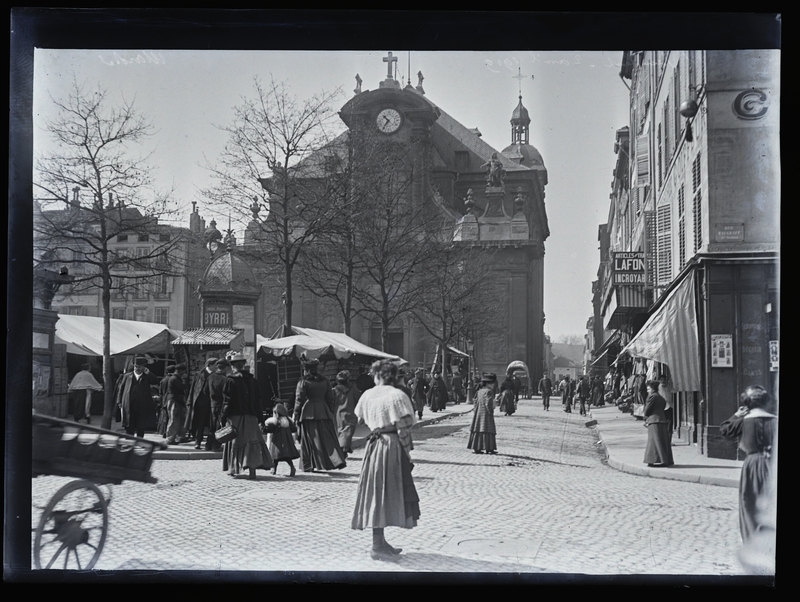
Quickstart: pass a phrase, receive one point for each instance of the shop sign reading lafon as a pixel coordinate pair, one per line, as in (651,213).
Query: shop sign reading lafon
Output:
(629,267)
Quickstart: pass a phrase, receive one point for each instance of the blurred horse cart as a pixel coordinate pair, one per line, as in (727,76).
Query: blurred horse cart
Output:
(73,526)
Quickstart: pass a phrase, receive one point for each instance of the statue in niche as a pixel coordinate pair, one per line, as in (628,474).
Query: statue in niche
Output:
(519,202)
(495,173)
(470,203)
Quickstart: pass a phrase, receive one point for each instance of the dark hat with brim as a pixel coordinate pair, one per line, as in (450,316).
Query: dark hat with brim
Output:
(140,360)
(343,376)
(237,357)
(170,370)
(489,377)
(222,363)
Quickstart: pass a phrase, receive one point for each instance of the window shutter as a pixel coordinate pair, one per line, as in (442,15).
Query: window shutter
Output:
(663,245)
(650,245)
(642,161)
(681,227)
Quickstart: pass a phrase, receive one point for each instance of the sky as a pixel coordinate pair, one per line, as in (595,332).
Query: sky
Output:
(576,101)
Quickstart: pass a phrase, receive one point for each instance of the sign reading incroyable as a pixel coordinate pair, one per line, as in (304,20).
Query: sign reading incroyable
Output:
(628,268)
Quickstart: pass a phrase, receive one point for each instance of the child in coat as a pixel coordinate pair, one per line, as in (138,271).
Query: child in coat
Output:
(279,428)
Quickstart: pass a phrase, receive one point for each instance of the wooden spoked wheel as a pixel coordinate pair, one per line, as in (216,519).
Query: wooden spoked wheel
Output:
(72,529)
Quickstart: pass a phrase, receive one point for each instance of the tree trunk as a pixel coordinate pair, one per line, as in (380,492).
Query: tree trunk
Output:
(287,302)
(108,367)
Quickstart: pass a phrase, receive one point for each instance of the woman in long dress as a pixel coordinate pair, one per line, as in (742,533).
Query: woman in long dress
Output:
(658,451)
(313,414)
(242,409)
(755,424)
(507,395)
(346,395)
(482,432)
(386,496)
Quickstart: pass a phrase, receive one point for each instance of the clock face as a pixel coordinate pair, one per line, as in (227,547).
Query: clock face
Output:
(388,121)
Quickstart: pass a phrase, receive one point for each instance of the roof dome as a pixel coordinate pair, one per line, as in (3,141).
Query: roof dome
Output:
(520,114)
(524,154)
(229,273)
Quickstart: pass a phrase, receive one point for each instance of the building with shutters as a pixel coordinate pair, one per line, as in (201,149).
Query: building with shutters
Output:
(689,283)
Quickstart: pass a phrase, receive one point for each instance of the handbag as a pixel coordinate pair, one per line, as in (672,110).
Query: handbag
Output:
(225,434)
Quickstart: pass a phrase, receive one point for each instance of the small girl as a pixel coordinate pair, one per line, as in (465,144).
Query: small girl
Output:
(279,428)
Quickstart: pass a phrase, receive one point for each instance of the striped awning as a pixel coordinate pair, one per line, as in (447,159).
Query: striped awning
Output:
(624,302)
(224,337)
(670,336)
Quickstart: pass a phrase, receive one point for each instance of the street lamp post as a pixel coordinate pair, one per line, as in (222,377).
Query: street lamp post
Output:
(470,349)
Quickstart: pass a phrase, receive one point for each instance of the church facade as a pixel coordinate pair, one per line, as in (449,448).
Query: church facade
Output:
(488,199)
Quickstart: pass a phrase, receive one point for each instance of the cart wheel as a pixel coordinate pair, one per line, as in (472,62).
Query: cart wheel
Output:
(72,529)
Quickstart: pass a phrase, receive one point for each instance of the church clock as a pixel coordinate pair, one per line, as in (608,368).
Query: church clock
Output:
(388,121)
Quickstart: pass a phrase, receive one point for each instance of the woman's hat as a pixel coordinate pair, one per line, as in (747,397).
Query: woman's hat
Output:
(237,357)
(222,363)
(489,377)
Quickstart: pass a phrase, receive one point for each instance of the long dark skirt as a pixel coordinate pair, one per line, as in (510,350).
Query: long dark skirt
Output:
(507,405)
(658,450)
(755,477)
(386,495)
(319,446)
(248,449)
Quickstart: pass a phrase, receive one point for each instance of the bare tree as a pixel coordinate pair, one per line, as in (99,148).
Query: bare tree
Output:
(96,144)
(261,168)
(458,294)
(396,236)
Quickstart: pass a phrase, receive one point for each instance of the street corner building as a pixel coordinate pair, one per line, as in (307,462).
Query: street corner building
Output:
(688,283)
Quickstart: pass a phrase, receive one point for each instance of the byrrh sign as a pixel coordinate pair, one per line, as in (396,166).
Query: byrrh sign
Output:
(628,268)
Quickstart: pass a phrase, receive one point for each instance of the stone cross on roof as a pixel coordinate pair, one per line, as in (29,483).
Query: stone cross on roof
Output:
(390,60)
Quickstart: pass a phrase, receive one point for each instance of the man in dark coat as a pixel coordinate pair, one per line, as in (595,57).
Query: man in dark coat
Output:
(215,385)
(198,404)
(363,381)
(136,400)
(567,391)
(545,390)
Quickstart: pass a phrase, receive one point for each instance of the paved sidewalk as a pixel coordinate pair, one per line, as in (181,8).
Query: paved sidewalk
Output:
(622,436)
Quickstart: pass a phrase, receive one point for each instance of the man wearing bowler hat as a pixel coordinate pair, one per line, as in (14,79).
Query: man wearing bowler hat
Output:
(198,404)
(136,400)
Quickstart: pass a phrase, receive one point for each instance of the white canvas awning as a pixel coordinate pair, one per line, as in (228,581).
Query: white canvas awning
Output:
(317,343)
(83,335)
(670,336)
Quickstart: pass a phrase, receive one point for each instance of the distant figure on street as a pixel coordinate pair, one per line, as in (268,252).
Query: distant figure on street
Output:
(419,391)
(567,391)
(755,425)
(386,495)
(346,395)
(482,432)
(545,390)
(658,451)
(437,392)
(198,405)
(280,442)
(598,392)
(215,385)
(81,387)
(176,405)
(507,405)
(517,388)
(162,412)
(584,391)
(457,386)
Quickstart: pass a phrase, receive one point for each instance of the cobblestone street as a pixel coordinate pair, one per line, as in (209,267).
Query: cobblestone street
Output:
(546,503)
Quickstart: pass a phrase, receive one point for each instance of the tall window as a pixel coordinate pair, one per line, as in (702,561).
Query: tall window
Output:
(650,248)
(141,257)
(119,313)
(697,204)
(140,314)
(161,315)
(668,148)
(122,259)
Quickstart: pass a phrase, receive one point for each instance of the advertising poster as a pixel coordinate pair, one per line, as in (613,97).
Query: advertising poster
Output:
(721,351)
